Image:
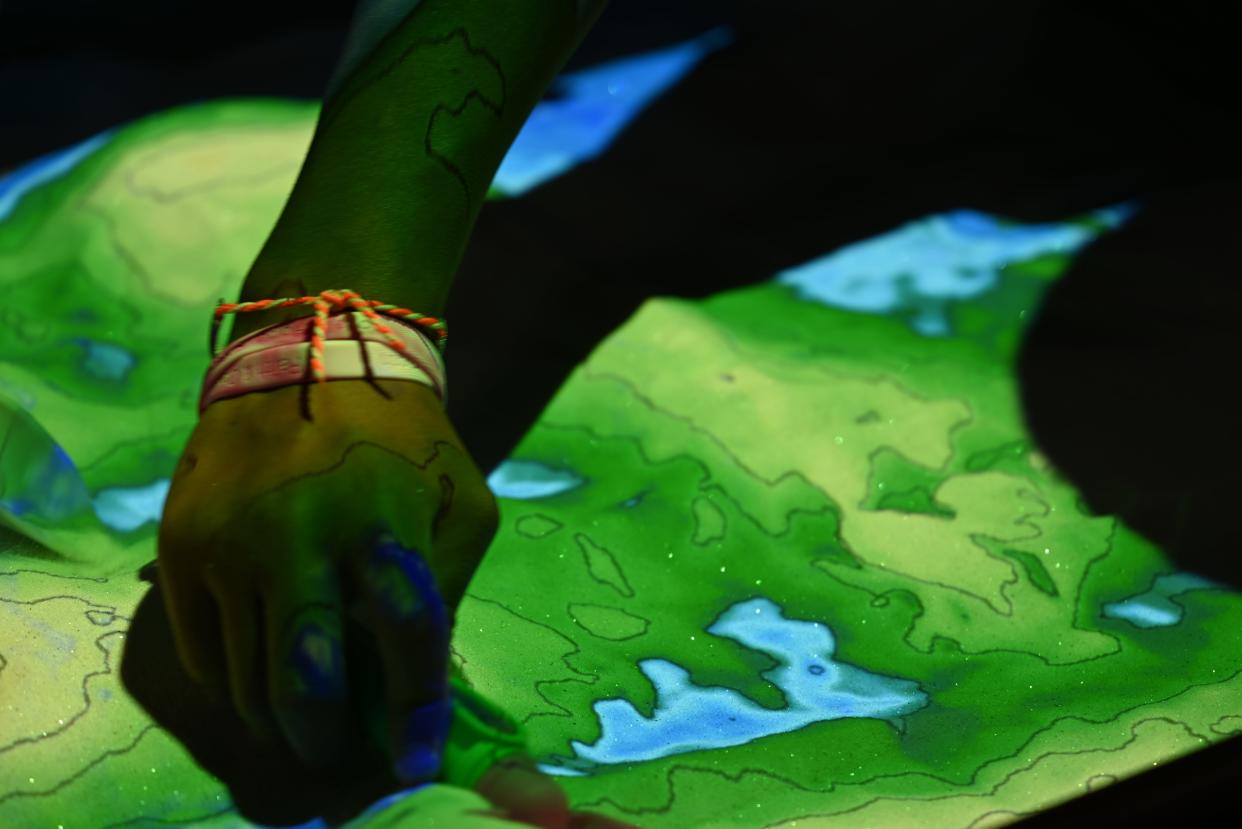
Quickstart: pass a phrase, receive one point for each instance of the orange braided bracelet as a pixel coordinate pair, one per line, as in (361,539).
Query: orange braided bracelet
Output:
(265,359)
(341,298)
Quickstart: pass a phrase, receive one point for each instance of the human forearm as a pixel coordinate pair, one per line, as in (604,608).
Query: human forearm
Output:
(405,149)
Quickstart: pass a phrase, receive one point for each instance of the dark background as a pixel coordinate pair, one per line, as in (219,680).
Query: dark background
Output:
(822,124)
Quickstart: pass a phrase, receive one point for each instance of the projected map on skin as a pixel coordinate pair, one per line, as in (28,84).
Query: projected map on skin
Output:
(784,554)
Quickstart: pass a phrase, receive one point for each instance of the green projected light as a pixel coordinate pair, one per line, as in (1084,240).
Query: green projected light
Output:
(784,556)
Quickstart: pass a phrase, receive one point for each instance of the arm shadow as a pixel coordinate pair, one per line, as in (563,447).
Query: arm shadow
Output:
(1128,376)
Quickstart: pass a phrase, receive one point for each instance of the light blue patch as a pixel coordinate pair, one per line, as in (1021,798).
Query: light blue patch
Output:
(1143,615)
(918,269)
(531,479)
(128,508)
(560,771)
(688,717)
(1155,607)
(591,108)
(106,361)
(44,169)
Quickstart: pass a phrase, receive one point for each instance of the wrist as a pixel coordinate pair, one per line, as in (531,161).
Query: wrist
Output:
(355,344)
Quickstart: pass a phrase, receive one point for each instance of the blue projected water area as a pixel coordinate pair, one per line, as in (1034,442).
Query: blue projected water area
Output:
(922,266)
(1155,607)
(689,717)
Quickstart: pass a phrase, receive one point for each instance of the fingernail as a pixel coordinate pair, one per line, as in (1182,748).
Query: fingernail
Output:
(426,731)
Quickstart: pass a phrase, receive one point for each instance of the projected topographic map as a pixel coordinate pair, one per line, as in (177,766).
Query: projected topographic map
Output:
(782,557)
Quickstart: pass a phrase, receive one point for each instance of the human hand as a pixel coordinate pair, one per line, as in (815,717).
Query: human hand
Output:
(278,533)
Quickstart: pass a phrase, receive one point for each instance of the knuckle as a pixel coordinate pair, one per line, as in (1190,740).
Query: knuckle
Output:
(312,658)
(491,512)
(394,596)
(484,510)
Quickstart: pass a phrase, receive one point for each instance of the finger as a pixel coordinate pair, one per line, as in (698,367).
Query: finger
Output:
(306,669)
(241,630)
(399,603)
(194,619)
(525,793)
